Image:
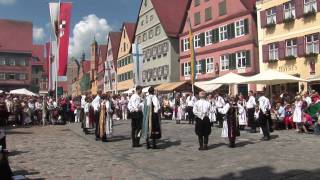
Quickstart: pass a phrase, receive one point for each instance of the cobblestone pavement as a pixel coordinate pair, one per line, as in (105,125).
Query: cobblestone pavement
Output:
(64,152)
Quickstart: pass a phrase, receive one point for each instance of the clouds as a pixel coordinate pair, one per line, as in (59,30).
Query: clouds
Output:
(7,2)
(83,33)
(38,34)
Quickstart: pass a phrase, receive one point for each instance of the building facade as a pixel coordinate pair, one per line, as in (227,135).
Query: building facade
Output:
(102,55)
(72,75)
(225,40)
(289,40)
(94,67)
(110,79)
(124,60)
(158,28)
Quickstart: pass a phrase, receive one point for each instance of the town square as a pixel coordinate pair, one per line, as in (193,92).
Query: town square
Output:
(160,89)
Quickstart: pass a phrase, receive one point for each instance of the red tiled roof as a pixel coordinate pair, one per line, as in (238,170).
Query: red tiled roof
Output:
(172,15)
(102,57)
(15,36)
(115,38)
(131,30)
(86,66)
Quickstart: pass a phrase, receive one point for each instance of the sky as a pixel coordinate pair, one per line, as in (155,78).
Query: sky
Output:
(89,19)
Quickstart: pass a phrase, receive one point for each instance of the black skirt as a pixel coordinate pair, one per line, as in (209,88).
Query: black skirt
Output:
(156,127)
(203,127)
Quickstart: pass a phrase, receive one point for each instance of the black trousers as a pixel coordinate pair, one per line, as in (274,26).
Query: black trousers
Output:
(203,130)
(136,126)
(96,122)
(264,124)
(220,119)
(251,120)
(190,114)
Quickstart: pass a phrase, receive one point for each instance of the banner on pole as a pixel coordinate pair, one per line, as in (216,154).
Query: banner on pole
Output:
(137,62)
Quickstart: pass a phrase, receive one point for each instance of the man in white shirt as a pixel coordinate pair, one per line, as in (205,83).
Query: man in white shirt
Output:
(219,102)
(251,104)
(96,108)
(151,106)
(264,116)
(135,110)
(201,110)
(191,99)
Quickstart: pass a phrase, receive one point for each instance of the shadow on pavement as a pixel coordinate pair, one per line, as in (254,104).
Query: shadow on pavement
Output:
(166,143)
(17,132)
(15,153)
(119,138)
(267,173)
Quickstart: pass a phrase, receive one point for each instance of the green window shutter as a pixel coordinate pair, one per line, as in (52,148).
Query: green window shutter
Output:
(202,39)
(181,46)
(222,8)
(215,36)
(248,59)
(231,31)
(182,69)
(246,26)
(232,61)
(203,66)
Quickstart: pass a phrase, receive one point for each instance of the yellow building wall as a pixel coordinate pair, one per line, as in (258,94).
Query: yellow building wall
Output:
(124,52)
(281,32)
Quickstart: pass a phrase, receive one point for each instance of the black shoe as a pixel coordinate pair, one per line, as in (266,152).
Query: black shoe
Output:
(97,139)
(205,147)
(265,138)
(201,148)
(232,145)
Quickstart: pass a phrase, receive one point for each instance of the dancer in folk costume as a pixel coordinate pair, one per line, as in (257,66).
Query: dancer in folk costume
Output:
(89,115)
(102,118)
(182,109)
(201,110)
(151,128)
(230,129)
(213,109)
(108,117)
(124,106)
(176,105)
(135,109)
(242,113)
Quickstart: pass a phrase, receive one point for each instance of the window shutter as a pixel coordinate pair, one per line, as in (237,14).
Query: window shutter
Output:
(263,18)
(280,13)
(202,39)
(299,5)
(281,50)
(265,50)
(318,5)
(215,36)
(301,46)
(232,61)
(248,59)
(203,66)
(246,26)
(230,29)
(181,45)
(182,69)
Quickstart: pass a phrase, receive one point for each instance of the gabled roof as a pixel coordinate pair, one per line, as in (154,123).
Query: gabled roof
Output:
(172,15)
(249,4)
(131,30)
(115,38)
(102,57)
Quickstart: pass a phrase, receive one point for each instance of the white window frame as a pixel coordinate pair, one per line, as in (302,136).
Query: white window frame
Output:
(239,28)
(241,59)
(209,65)
(223,33)
(224,62)
(291,48)
(313,45)
(158,31)
(187,69)
(271,16)
(309,5)
(22,75)
(273,52)
(186,44)
(289,10)
(198,67)
(196,41)
(2,61)
(208,37)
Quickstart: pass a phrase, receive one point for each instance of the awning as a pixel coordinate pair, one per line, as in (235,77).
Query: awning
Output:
(229,79)
(314,79)
(184,86)
(207,88)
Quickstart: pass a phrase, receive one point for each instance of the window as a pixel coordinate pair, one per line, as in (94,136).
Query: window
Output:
(151,17)
(208,14)
(310,6)
(312,44)
(144,37)
(158,30)
(10,76)
(196,3)
(139,39)
(208,38)
(240,29)
(224,62)
(209,65)
(186,44)
(197,18)
(187,69)
(2,61)
(22,62)
(271,16)
(291,47)
(2,76)
(223,33)
(142,22)
(222,8)
(151,34)
(22,76)
(12,62)
(124,46)
(273,51)
(197,41)
(241,59)
(198,67)
(289,10)
(146,3)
